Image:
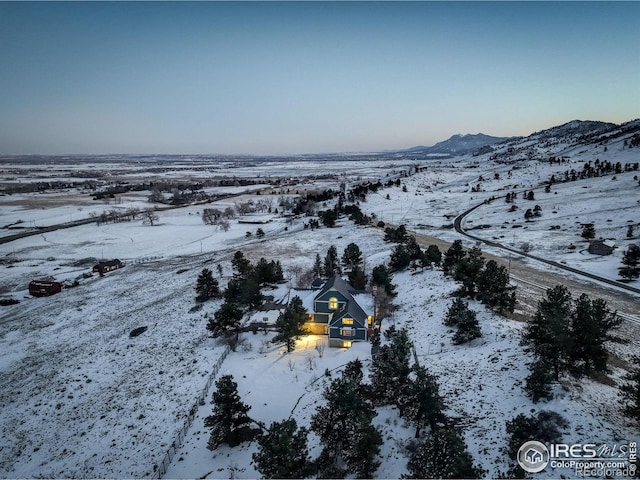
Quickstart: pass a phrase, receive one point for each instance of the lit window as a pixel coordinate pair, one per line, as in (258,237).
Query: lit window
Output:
(333,303)
(346,332)
(347,321)
(370,318)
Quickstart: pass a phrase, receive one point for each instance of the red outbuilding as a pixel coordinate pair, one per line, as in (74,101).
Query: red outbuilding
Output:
(107,266)
(44,288)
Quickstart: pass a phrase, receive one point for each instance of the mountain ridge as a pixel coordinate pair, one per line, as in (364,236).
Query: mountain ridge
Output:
(458,144)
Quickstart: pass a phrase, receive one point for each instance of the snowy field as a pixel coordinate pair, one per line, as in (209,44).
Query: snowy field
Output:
(82,399)
(481,383)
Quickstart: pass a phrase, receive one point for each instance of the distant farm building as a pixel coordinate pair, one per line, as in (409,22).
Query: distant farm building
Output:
(601,247)
(44,288)
(107,266)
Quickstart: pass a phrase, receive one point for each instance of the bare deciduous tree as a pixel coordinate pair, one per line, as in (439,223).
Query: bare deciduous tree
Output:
(149,216)
(245,207)
(133,212)
(224,225)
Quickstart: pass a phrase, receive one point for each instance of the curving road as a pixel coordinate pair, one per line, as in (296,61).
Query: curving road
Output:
(457,223)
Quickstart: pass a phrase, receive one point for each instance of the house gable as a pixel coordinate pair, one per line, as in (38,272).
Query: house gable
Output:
(337,313)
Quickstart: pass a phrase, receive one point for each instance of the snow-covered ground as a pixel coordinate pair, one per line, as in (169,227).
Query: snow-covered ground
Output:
(481,382)
(82,399)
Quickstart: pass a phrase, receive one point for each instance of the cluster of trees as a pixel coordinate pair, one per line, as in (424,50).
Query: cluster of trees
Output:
(566,336)
(242,294)
(488,283)
(634,141)
(415,393)
(407,252)
(351,263)
(350,442)
(329,217)
(220,218)
(344,423)
(511,197)
(116,215)
(596,169)
(531,213)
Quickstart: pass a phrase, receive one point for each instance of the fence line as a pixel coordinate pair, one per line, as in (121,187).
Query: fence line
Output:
(161,468)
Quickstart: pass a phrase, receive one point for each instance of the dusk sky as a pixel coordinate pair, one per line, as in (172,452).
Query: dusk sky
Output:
(305,77)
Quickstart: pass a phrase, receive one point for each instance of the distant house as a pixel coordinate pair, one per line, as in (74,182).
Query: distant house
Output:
(601,247)
(107,266)
(44,288)
(339,311)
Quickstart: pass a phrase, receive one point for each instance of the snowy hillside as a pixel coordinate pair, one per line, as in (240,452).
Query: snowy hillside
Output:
(82,398)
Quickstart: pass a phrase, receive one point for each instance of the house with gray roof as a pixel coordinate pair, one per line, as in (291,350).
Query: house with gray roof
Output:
(601,247)
(342,313)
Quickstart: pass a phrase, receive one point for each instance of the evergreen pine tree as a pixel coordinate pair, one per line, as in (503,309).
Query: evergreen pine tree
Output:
(363,448)
(390,368)
(630,260)
(591,322)
(468,270)
(548,333)
(458,310)
(206,286)
(318,271)
(494,289)
(468,329)
(331,264)
(538,383)
(630,390)
(588,231)
(245,293)
(422,402)
(444,454)
(396,235)
(241,266)
(229,415)
(278,275)
(400,258)
(263,272)
(413,249)
(381,276)
(545,427)
(226,323)
(352,257)
(452,257)
(432,256)
(283,451)
(290,324)
(357,278)
(345,429)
